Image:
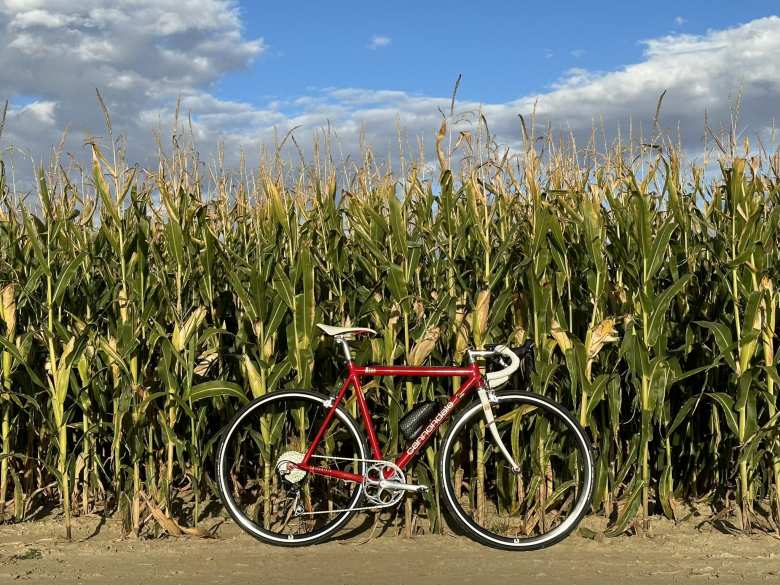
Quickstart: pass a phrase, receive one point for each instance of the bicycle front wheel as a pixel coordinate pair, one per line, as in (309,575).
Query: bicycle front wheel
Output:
(259,484)
(533,507)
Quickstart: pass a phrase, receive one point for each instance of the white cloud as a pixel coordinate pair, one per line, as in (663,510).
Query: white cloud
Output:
(40,112)
(700,73)
(144,54)
(575,77)
(379,41)
(679,20)
(577,53)
(140,53)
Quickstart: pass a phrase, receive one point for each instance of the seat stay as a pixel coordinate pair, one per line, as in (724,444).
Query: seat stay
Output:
(336,401)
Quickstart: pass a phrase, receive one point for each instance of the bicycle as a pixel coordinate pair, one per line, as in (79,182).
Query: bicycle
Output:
(515,469)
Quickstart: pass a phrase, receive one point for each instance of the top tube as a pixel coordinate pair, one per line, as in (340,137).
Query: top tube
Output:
(415,371)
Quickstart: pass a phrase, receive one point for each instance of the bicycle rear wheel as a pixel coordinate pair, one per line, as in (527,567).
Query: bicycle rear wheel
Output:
(540,504)
(273,501)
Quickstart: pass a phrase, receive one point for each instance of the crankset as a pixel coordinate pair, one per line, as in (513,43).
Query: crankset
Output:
(382,482)
(384,485)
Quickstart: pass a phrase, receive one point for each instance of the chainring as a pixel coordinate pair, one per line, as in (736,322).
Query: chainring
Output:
(372,487)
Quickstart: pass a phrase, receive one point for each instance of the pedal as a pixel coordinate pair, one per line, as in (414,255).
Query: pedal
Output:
(404,487)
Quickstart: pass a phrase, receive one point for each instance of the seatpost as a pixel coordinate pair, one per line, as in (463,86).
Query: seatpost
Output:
(344,347)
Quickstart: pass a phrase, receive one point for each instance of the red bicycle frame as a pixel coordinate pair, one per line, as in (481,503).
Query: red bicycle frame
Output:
(471,373)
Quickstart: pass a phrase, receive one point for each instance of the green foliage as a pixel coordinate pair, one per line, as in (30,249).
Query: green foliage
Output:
(141,311)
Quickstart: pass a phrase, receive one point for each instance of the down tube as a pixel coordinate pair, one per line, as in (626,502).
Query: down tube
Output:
(411,451)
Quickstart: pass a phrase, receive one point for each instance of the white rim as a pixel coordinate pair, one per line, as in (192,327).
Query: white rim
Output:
(228,499)
(565,526)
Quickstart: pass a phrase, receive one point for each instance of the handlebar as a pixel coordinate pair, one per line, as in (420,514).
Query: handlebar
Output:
(501,377)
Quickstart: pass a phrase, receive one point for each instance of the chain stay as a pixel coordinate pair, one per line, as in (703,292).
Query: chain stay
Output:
(376,506)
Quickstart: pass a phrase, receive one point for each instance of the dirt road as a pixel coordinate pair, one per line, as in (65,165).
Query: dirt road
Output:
(36,553)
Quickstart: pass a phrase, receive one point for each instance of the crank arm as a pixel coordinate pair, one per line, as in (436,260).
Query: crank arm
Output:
(406,487)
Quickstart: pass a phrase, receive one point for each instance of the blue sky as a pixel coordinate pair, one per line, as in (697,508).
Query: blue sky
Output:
(248,73)
(504,50)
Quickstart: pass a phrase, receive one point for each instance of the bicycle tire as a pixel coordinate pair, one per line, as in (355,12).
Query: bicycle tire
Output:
(222,471)
(461,517)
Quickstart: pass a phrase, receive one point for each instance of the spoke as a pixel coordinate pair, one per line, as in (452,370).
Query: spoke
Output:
(311,427)
(331,433)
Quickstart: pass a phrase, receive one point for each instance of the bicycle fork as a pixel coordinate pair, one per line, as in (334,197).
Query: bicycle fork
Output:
(486,396)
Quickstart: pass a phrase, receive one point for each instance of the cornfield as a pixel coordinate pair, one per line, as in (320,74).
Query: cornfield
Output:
(141,308)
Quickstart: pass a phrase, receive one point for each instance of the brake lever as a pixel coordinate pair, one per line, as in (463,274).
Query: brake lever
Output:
(498,358)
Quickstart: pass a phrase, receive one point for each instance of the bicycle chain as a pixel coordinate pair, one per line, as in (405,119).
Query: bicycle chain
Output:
(359,508)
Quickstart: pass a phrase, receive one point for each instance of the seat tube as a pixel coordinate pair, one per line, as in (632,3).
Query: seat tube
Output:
(363,406)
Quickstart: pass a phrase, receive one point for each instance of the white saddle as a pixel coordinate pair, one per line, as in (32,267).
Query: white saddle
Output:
(345,332)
